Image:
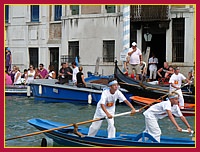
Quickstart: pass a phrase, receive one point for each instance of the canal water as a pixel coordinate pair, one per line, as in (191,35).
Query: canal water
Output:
(20,109)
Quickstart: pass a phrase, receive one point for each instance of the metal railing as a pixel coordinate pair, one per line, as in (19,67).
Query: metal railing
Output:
(67,58)
(149,12)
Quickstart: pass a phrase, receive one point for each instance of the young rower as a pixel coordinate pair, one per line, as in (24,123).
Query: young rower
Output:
(161,110)
(175,84)
(106,108)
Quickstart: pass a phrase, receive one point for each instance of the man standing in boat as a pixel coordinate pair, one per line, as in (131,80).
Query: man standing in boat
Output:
(62,76)
(106,108)
(75,71)
(134,61)
(161,110)
(153,61)
(175,84)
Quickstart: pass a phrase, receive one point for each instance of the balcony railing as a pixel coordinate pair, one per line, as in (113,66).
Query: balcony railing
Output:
(149,12)
(67,58)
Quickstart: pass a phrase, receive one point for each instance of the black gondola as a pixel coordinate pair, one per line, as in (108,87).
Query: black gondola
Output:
(145,89)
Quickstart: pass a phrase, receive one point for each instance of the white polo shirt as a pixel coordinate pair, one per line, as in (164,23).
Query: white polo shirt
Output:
(135,56)
(158,111)
(109,100)
(176,80)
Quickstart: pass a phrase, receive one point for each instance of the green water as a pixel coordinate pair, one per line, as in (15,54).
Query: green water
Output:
(20,109)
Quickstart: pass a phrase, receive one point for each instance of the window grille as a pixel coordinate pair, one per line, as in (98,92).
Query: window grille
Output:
(178,34)
(108,51)
(149,12)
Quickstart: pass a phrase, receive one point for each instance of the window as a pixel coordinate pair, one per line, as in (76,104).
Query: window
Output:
(34,13)
(57,12)
(178,28)
(108,51)
(33,56)
(110,8)
(73,51)
(75,9)
(7,13)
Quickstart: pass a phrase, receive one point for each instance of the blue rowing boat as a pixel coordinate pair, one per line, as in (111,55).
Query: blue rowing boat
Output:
(67,137)
(49,91)
(17,90)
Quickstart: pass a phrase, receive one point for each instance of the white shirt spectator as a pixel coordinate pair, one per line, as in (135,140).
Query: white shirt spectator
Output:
(153,61)
(50,75)
(135,56)
(30,76)
(17,80)
(75,71)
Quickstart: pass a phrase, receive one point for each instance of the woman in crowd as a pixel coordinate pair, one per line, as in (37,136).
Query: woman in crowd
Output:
(52,73)
(80,78)
(30,75)
(8,59)
(37,74)
(8,79)
(17,77)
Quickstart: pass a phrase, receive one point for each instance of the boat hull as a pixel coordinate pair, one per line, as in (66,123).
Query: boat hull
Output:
(66,137)
(51,92)
(48,91)
(189,109)
(16,90)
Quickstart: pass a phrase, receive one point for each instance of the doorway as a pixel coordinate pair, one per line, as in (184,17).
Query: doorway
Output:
(54,59)
(158,46)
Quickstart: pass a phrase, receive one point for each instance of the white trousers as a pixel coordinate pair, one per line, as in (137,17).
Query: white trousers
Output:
(153,128)
(95,126)
(153,72)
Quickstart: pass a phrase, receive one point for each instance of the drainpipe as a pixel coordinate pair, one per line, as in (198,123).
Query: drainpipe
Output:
(126,33)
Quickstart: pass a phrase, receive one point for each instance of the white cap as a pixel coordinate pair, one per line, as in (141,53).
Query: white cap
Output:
(134,44)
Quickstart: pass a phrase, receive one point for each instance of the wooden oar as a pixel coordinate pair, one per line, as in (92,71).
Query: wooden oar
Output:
(146,87)
(143,86)
(70,125)
(135,85)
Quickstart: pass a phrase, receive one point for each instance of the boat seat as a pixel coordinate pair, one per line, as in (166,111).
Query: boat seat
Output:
(144,137)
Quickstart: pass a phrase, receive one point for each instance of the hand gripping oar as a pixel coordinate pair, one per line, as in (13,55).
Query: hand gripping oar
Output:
(156,100)
(70,125)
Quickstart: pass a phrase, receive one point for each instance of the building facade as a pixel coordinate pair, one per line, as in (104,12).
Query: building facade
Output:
(52,34)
